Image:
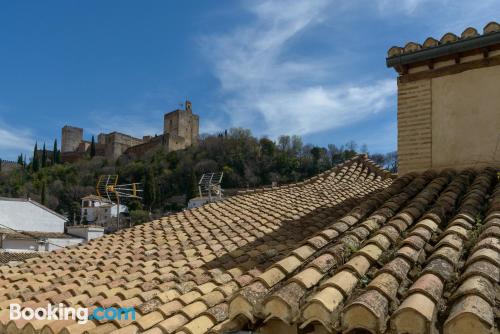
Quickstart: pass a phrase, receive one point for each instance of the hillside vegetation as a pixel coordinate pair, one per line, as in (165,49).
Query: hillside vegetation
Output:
(169,179)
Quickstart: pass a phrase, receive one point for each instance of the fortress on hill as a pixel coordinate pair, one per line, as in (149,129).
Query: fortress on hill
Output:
(180,130)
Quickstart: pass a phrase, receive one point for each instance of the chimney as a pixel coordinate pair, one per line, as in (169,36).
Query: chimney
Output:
(447,100)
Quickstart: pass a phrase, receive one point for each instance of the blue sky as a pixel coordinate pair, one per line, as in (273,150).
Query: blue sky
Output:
(313,68)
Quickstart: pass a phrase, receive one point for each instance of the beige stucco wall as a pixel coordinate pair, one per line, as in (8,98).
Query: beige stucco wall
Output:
(450,121)
(466,118)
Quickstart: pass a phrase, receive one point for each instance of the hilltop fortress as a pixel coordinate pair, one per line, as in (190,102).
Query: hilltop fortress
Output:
(180,130)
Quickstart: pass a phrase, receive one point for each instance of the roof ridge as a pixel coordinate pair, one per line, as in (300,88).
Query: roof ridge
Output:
(362,158)
(29,200)
(447,38)
(47,209)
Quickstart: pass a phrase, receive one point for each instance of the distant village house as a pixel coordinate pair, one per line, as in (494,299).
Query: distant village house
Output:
(28,226)
(100,211)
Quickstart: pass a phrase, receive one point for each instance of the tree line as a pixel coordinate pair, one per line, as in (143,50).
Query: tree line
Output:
(169,179)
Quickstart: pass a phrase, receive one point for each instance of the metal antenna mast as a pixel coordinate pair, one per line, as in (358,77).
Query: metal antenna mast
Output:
(107,186)
(210,185)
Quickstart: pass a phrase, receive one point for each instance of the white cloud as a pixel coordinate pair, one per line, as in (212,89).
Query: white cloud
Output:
(316,108)
(14,141)
(273,93)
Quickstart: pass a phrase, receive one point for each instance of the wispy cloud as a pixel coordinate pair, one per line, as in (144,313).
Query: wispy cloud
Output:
(14,141)
(274,93)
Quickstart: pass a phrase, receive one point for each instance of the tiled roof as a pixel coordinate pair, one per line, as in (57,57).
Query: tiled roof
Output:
(180,270)
(422,260)
(448,38)
(95,198)
(12,234)
(351,249)
(14,257)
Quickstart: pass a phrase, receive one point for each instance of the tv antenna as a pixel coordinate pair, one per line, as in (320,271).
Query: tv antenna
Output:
(210,185)
(108,187)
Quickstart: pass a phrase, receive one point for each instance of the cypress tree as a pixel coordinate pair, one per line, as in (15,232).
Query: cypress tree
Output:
(92,147)
(44,156)
(149,189)
(20,159)
(54,153)
(43,194)
(35,164)
(192,186)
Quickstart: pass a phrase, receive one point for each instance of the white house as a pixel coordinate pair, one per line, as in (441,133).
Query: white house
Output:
(27,215)
(28,226)
(100,211)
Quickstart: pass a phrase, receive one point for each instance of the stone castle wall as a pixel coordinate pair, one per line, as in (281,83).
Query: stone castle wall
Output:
(153,144)
(7,166)
(117,143)
(181,130)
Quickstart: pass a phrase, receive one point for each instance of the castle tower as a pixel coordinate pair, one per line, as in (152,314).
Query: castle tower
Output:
(71,138)
(182,124)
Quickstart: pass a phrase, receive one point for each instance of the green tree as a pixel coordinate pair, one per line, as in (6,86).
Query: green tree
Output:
(149,189)
(20,159)
(44,156)
(92,147)
(43,193)
(316,155)
(55,159)
(35,164)
(267,147)
(192,186)
(139,216)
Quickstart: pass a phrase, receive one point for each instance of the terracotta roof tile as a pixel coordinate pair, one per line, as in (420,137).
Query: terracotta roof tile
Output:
(335,253)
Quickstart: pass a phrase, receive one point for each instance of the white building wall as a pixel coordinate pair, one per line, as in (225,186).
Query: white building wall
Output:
(62,242)
(23,245)
(86,232)
(14,245)
(22,215)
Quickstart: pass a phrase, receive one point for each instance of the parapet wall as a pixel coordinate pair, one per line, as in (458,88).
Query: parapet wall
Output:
(152,144)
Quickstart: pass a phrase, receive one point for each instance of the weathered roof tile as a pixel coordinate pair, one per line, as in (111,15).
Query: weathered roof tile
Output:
(291,257)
